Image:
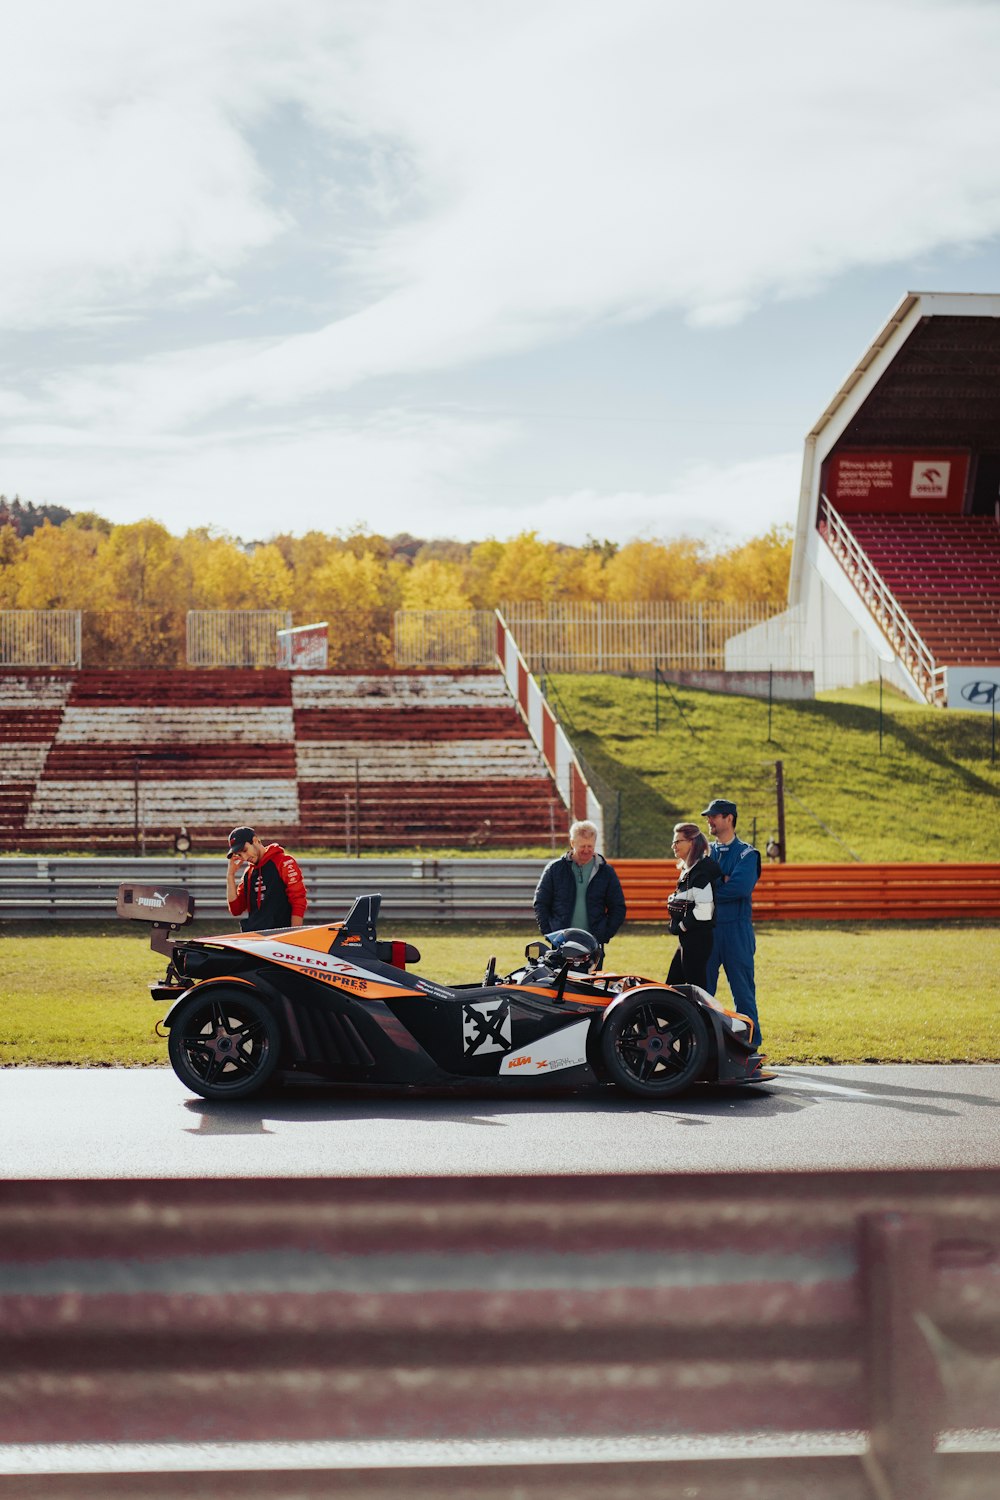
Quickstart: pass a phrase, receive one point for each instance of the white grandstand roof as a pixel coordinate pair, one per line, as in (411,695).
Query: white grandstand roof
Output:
(929,404)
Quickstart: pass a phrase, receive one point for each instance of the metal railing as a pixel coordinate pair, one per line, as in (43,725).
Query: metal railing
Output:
(411,889)
(579,636)
(235,637)
(40,638)
(882,604)
(584,636)
(744,1334)
(458,890)
(444,638)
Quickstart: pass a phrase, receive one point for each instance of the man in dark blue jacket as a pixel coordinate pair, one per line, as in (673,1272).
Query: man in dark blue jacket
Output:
(580,889)
(735,944)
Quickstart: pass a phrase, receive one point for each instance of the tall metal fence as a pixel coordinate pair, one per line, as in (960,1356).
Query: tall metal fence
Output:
(580,635)
(40,638)
(235,637)
(444,638)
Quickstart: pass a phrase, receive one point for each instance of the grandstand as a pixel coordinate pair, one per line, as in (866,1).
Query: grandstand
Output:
(896,564)
(106,760)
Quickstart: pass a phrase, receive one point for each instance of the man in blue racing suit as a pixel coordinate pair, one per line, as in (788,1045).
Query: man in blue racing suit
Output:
(735,944)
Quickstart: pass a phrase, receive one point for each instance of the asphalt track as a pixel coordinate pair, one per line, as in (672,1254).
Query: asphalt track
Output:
(141,1122)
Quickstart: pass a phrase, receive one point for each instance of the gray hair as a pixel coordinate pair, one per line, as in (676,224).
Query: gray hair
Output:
(582,826)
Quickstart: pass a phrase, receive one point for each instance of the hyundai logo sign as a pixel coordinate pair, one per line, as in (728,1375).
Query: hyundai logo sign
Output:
(974,687)
(982,693)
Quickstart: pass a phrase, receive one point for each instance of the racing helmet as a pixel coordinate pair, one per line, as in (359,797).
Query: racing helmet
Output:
(573,946)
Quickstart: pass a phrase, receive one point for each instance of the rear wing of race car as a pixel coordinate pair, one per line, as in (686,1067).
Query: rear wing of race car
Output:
(359,928)
(165,909)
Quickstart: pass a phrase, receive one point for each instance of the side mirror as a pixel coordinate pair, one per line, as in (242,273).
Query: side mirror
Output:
(536,950)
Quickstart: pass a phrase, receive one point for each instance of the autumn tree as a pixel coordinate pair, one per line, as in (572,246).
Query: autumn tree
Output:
(10,554)
(755,572)
(655,570)
(434,585)
(526,568)
(58,568)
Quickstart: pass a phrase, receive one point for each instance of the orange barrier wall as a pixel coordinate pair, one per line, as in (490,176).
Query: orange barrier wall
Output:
(849,892)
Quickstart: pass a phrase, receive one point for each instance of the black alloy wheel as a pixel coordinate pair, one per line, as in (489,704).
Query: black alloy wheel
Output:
(655,1045)
(224,1043)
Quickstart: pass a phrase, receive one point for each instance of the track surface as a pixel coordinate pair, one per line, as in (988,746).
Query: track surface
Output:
(120,1122)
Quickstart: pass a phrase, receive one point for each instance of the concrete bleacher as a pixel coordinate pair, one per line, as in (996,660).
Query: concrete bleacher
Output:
(123,760)
(945,573)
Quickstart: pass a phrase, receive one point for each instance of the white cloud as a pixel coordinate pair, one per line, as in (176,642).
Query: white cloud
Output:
(396,472)
(718,503)
(481,180)
(552,164)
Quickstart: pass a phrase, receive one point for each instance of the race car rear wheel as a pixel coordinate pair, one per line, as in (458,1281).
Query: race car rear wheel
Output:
(224,1043)
(655,1045)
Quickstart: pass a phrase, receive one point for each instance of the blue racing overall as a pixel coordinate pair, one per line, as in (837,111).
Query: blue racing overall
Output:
(735,945)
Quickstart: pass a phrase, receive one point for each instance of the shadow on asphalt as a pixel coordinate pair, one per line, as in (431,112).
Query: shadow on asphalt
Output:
(793,1091)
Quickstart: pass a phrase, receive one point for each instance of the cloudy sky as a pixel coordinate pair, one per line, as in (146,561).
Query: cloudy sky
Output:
(469,267)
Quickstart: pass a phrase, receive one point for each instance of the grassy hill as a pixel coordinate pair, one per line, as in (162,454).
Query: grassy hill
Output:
(930,793)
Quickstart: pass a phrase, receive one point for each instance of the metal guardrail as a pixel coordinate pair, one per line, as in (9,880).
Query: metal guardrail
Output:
(235,637)
(848,1323)
(501,890)
(581,635)
(40,638)
(412,889)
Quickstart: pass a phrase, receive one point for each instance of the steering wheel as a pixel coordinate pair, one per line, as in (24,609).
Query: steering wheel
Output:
(491,972)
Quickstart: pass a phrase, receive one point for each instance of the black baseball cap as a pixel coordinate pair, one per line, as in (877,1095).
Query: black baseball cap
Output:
(237,839)
(719,807)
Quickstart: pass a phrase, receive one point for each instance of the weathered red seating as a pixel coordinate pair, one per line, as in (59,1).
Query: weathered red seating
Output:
(944,571)
(109,760)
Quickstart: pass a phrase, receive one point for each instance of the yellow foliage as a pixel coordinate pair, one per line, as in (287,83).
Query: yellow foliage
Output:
(582,574)
(84,565)
(434,585)
(479,570)
(10,555)
(270,579)
(345,581)
(655,570)
(141,568)
(755,572)
(57,568)
(526,569)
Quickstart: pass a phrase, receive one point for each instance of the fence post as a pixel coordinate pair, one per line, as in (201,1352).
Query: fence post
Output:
(357,808)
(905,1390)
(779,790)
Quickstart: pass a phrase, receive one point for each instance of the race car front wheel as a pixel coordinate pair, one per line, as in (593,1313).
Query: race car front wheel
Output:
(224,1043)
(655,1045)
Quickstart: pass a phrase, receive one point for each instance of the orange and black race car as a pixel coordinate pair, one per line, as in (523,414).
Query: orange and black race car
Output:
(335,1002)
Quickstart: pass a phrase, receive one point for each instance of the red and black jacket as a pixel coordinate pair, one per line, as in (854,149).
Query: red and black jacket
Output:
(271,892)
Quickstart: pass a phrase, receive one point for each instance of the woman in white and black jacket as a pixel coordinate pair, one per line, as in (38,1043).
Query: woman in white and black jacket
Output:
(692,905)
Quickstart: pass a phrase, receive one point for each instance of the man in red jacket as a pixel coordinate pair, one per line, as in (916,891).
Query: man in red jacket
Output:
(264,882)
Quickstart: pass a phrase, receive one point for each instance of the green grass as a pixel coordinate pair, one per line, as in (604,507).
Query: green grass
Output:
(75,994)
(933,792)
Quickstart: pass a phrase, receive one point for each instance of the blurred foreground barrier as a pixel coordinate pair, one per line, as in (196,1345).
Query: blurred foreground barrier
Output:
(682,1318)
(500,890)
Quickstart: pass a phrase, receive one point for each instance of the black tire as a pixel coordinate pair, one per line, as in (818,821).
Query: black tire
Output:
(224,1042)
(655,1045)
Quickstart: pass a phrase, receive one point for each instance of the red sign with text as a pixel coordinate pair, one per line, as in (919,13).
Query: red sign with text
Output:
(919,481)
